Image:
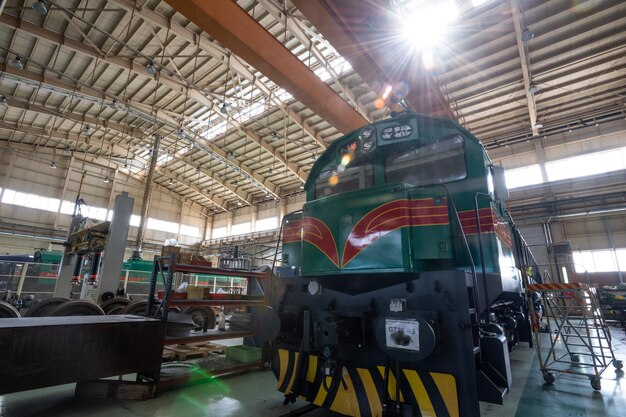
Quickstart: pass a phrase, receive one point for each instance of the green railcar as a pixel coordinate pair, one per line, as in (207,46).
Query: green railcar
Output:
(398,287)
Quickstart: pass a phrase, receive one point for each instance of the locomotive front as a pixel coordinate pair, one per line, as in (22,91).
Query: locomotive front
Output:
(398,290)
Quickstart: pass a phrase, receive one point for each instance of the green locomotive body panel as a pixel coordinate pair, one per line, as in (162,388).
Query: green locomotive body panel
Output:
(389,185)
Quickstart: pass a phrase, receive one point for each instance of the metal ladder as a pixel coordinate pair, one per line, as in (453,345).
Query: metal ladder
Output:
(579,338)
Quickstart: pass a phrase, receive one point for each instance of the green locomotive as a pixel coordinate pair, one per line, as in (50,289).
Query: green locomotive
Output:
(398,292)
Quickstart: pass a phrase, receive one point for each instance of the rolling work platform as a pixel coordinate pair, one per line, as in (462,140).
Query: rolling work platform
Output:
(578,336)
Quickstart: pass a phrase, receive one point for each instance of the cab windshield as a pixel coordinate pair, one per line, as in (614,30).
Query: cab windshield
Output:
(437,162)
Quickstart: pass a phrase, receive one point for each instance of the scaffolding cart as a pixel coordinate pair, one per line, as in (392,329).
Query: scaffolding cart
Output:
(579,340)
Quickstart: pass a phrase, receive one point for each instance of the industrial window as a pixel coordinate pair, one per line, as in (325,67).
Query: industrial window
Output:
(240,228)
(343,179)
(33,201)
(191,231)
(589,164)
(521,177)
(268,223)
(161,225)
(67,207)
(97,213)
(437,162)
(603,260)
(218,232)
(135,220)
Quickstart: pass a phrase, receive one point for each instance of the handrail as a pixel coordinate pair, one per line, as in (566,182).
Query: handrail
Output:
(480,249)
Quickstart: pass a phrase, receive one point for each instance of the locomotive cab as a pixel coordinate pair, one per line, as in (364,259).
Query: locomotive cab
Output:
(398,284)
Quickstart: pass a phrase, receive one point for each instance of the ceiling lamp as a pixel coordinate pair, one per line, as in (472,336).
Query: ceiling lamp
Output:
(41,7)
(17,63)
(274,136)
(533,89)
(223,109)
(302,187)
(87,131)
(106,179)
(3,102)
(151,69)
(538,124)
(527,35)
(53,165)
(170,182)
(113,105)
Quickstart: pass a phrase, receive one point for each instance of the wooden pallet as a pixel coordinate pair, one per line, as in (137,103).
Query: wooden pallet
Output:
(192,350)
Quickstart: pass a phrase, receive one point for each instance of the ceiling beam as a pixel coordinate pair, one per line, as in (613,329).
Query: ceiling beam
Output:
(69,139)
(94,122)
(207,146)
(164,79)
(524,61)
(102,162)
(169,174)
(101,143)
(295,28)
(231,25)
(220,53)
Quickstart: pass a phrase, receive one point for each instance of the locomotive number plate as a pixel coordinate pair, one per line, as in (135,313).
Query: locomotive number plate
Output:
(402,334)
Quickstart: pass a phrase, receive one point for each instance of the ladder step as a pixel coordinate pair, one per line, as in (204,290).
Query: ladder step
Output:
(587,346)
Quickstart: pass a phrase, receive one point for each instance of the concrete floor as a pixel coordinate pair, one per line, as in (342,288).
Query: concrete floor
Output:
(254,394)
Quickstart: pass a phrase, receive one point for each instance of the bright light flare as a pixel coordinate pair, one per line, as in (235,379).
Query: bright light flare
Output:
(387,91)
(428,60)
(425,25)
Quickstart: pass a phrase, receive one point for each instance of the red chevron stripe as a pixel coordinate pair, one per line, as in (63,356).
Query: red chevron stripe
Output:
(374,225)
(292,232)
(318,234)
(430,220)
(389,217)
(555,286)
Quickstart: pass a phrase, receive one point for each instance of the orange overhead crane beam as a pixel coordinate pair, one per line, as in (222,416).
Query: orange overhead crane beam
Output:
(363,33)
(232,26)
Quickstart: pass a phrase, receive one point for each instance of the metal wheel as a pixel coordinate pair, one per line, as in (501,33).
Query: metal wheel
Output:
(548,377)
(115,305)
(200,316)
(618,364)
(46,307)
(7,311)
(78,308)
(138,308)
(595,384)
(115,310)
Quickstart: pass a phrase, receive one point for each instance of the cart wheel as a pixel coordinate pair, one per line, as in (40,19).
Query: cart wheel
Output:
(595,384)
(200,315)
(574,357)
(548,377)
(618,364)
(8,311)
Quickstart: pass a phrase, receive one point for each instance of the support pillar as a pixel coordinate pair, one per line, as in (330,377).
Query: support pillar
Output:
(145,202)
(253,216)
(541,160)
(4,181)
(229,222)
(283,210)
(208,226)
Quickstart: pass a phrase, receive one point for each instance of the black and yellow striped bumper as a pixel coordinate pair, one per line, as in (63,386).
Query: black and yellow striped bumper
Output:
(361,391)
